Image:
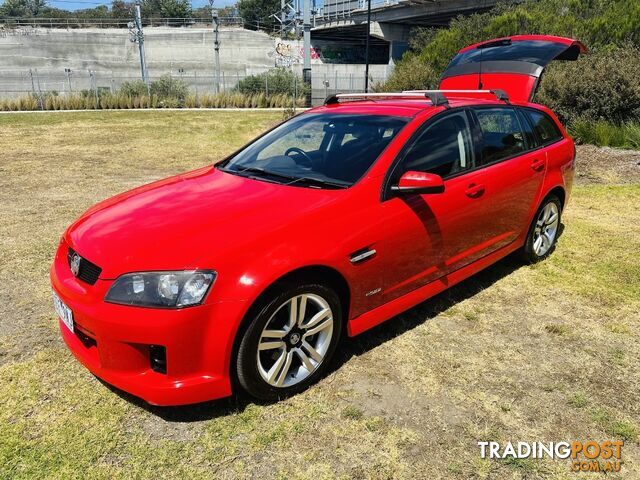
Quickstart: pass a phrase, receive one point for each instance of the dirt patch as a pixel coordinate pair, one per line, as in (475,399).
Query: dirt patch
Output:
(606,165)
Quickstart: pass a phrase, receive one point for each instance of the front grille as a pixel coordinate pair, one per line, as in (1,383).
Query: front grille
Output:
(88,272)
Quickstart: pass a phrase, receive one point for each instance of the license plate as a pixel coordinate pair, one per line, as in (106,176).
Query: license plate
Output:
(64,312)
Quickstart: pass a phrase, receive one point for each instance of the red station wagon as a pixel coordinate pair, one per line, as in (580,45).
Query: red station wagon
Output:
(248,273)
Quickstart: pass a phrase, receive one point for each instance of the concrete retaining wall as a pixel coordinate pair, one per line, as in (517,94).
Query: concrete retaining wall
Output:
(184,52)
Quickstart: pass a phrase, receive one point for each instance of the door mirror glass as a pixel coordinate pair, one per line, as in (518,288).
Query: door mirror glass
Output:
(413,182)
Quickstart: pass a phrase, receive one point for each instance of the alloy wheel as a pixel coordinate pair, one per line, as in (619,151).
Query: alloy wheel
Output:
(295,340)
(546,229)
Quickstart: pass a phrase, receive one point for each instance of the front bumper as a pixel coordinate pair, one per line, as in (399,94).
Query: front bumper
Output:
(114,341)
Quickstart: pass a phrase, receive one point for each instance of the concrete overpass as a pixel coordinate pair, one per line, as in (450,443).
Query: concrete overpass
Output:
(345,21)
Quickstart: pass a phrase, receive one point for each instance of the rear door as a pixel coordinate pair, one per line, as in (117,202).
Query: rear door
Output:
(513,64)
(514,165)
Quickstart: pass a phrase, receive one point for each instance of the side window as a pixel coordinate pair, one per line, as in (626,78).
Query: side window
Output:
(444,148)
(502,136)
(546,128)
(527,128)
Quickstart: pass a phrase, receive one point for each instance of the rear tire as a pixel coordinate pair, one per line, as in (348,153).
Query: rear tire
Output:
(543,232)
(290,341)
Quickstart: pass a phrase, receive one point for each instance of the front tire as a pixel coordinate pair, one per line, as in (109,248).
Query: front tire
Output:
(290,342)
(543,232)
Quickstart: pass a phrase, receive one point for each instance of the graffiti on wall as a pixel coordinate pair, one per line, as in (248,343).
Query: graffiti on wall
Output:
(287,53)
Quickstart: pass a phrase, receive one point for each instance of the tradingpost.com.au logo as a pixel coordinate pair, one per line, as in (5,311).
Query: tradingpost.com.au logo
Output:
(589,456)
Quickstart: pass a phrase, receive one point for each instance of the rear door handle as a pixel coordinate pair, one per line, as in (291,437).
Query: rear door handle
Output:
(474,190)
(537,165)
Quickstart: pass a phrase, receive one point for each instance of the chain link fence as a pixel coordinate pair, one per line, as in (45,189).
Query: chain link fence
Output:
(9,23)
(14,84)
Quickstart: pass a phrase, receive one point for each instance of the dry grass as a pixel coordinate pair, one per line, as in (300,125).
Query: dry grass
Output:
(547,352)
(119,101)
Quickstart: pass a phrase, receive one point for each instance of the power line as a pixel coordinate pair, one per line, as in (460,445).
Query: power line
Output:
(79,1)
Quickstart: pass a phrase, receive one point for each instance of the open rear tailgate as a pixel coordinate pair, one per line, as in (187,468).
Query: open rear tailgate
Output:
(513,64)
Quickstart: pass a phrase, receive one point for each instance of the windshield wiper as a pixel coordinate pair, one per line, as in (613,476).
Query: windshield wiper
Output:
(259,171)
(319,182)
(291,179)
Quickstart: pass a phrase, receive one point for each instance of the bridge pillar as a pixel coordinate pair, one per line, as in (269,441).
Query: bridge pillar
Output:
(397,35)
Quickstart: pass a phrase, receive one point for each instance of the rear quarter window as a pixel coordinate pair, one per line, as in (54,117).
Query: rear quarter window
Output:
(545,128)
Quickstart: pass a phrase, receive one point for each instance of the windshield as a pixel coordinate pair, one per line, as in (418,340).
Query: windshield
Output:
(322,150)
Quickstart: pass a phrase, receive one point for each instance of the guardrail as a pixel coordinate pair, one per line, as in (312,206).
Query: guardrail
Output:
(23,22)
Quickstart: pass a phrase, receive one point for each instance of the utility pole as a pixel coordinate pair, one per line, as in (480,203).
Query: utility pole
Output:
(306,41)
(33,89)
(366,49)
(283,6)
(216,46)
(136,35)
(67,71)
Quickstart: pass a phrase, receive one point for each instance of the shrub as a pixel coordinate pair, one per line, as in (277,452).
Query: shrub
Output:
(598,24)
(415,74)
(601,86)
(273,82)
(171,90)
(134,88)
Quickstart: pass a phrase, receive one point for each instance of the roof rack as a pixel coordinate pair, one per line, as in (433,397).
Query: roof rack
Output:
(499,94)
(437,97)
(331,99)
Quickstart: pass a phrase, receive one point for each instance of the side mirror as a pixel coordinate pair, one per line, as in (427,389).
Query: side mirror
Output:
(419,182)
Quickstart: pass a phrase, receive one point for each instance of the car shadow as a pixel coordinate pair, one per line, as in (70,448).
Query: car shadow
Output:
(364,342)
(426,310)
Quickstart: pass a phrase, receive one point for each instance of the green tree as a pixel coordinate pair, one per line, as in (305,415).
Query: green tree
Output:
(205,12)
(23,8)
(257,14)
(120,9)
(166,8)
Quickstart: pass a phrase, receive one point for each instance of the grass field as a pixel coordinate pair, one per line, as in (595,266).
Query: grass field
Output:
(547,352)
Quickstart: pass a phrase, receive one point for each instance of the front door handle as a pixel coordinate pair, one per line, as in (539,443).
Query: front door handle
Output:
(474,190)
(537,165)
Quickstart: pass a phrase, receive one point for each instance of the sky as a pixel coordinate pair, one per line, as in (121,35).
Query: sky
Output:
(79,4)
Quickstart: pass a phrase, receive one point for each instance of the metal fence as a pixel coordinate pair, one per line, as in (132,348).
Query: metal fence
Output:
(60,82)
(7,23)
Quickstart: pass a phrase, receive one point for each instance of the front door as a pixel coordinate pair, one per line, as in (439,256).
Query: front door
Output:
(431,235)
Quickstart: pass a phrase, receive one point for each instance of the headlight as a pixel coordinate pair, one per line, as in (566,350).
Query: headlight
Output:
(161,289)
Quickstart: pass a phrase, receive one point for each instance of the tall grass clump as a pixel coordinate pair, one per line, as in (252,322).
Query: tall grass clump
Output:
(120,100)
(606,134)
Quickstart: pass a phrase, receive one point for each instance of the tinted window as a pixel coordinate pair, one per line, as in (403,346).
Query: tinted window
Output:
(320,146)
(546,128)
(444,148)
(527,129)
(501,133)
(533,51)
